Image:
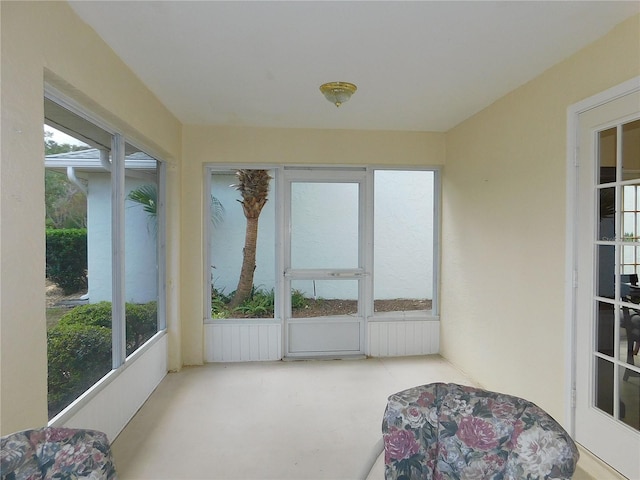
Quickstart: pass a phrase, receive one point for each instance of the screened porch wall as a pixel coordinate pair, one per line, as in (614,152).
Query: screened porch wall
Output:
(251,340)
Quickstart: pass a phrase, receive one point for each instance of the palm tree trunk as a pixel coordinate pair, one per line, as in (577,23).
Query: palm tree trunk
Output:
(245,283)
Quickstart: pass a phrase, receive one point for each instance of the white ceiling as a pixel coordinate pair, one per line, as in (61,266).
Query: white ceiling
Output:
(418,65)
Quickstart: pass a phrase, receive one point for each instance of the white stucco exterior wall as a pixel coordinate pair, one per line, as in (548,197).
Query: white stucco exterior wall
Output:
(325,231)
(141,283)
(403,238)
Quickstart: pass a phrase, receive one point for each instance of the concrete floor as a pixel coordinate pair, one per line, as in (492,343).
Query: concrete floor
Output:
(273,420)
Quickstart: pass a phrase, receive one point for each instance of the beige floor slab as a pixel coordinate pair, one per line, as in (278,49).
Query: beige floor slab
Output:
(275,420)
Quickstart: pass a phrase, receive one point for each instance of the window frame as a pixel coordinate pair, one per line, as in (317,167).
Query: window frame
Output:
(279,197)
(120,360)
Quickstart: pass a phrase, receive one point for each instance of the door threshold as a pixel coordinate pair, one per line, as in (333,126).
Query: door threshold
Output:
(325,357)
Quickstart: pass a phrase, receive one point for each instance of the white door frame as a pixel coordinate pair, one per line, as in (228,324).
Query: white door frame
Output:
(573,113)
(361,273)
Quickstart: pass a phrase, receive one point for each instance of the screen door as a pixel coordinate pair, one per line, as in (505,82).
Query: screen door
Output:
(324,262)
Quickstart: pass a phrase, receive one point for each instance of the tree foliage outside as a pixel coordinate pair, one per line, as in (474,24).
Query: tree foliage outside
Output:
(65,203)
(260,304)
(147,196)
(66,258)
(253,186)
(141,324)
(78,356)
(79,347)
(141,320)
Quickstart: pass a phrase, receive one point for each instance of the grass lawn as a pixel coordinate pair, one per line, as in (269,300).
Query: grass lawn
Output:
(54,314)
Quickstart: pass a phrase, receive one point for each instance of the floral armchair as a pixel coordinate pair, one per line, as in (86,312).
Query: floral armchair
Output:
(448,431)
(56,453)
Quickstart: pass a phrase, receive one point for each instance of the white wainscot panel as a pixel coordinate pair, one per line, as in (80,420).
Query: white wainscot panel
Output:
(321,337)
(403,338)
(111,403)
(242,341)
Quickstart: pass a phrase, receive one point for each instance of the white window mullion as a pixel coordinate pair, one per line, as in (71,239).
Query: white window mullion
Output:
(118,327)
(435,302)
(282,294)
(207,232)
(619,267)
(368,245)
(161,247)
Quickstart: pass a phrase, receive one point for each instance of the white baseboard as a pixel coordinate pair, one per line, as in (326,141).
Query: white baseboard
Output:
(594,467)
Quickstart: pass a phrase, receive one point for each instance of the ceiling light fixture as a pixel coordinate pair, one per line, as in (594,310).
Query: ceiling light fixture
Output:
(338,92)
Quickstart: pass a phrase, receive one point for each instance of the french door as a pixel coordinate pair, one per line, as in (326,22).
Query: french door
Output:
(324,260)
(607,308)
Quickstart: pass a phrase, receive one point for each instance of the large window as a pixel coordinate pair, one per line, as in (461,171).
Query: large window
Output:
(102,198)
(325,223)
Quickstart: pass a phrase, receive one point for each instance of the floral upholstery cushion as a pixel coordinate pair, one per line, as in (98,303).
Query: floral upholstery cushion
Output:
(18,458)
(56,453)
(453,432)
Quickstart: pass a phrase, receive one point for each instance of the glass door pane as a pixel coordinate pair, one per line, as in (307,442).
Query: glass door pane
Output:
(617,335)
(324,298)
(324,225)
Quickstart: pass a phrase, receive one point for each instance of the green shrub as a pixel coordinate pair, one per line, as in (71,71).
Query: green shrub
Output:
(259,305)
(141,320)
(298,300)
(79,347)
(67,258)
(94,314)
(78,356)
(142,323)
(219,308)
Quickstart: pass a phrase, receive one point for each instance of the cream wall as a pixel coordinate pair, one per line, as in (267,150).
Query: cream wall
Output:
(503,208)
(204,145)
(38,41)
(504,221)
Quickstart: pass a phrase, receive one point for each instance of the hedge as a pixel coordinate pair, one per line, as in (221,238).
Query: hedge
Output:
(79,347)
(67,258)
(78,356)
(141,320)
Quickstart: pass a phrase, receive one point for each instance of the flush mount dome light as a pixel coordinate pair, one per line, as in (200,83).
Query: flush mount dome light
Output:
(338,92)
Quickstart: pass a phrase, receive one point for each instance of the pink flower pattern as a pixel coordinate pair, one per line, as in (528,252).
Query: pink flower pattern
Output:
(49,453)
(400,444)
(448,431)
(477,433)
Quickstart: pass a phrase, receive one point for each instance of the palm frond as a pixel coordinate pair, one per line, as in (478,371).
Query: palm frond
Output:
(217,211)
(147,196)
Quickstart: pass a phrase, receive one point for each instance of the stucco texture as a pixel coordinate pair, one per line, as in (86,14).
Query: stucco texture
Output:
(503,231)
(46,41)
(504,222)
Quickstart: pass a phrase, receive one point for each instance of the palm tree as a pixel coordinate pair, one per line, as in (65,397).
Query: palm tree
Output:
(253,185)
(147,196)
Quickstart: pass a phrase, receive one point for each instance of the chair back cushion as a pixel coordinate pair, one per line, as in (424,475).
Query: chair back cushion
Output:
(18,458)
(450,431)
(56,453)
